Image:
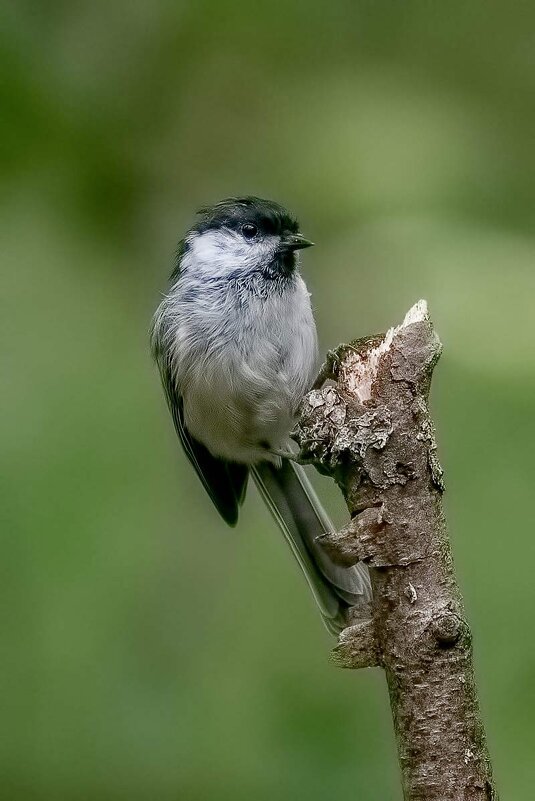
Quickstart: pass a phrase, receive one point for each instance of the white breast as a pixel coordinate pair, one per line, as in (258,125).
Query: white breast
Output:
(242,359)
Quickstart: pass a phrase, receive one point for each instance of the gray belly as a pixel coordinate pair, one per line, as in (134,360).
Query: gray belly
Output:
(239,419)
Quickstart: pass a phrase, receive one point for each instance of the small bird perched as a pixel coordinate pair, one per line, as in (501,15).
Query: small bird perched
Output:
(235,342)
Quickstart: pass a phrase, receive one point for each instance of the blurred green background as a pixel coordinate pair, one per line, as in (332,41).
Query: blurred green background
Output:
(149,652)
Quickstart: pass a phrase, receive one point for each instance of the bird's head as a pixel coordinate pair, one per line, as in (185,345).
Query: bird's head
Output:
(244,234)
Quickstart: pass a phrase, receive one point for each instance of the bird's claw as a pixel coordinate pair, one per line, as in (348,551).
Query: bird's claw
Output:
(292,457)
(331,365)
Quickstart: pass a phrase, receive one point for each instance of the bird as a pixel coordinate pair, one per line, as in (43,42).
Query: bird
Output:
(235,341)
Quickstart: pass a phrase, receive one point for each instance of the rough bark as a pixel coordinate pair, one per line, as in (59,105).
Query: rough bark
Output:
(371,430)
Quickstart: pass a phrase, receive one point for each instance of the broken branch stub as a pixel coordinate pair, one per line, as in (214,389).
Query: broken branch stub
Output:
(371,430)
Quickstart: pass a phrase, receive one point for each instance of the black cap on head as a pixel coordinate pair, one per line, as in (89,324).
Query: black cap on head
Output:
(234,212)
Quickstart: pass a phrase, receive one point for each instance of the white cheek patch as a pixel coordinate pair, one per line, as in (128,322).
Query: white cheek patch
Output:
(218,253)
(209,246)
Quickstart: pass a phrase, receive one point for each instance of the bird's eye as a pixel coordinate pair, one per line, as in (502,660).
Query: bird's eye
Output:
(249,230)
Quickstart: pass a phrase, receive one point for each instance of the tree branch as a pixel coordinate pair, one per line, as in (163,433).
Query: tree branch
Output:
(372,432)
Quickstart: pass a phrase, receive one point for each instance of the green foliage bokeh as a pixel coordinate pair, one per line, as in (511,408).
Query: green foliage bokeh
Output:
(148,652)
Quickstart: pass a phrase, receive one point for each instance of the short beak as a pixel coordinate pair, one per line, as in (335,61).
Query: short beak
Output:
(296,242)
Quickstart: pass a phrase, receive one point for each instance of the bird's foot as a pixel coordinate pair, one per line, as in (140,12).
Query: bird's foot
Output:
(329,368)
(292,457)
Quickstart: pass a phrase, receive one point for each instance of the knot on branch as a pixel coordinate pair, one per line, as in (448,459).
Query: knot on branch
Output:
(356,541)
(449,629)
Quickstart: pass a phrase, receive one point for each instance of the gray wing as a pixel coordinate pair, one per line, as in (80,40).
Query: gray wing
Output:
(225,482)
